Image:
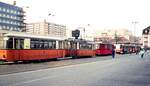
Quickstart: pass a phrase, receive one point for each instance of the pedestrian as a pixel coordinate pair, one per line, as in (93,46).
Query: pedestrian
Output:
(130,51)
(136,51)
(142,53)
(113,53)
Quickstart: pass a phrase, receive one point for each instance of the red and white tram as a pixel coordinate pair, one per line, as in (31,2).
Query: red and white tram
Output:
(127,48)
(24,47)
(104,49)
(80,48)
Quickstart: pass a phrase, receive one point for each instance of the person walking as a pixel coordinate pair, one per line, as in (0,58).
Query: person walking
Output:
(130,51)
(113,53)
(142,53)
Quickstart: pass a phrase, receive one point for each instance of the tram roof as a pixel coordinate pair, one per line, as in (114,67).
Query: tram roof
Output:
(27,35)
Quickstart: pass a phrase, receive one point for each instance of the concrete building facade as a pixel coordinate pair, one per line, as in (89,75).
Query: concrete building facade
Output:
(46,28)
(11,17)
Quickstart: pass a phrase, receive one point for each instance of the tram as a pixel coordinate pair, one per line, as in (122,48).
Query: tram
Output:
(127,48)
(25,47)
(80,48)
(104,49)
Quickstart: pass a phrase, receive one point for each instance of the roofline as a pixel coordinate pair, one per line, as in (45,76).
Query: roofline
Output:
(27,35)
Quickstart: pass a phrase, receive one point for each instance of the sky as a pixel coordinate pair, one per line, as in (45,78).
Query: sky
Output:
(94,15)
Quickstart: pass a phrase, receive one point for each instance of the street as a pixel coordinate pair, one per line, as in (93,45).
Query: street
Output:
(23,67)
(127,70)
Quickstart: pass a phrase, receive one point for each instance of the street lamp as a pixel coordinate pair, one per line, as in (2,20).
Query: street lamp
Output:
(83,29)
(50,15)
(116,37)
(134,24)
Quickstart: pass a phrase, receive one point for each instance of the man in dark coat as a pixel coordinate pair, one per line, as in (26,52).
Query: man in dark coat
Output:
(113,53)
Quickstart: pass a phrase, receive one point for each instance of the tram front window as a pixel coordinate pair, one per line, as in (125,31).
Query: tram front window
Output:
(9,44)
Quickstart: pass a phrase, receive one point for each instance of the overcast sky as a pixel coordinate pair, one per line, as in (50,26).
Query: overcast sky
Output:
(100,14)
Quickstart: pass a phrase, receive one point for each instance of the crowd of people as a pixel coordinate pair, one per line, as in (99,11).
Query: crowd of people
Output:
(141,52)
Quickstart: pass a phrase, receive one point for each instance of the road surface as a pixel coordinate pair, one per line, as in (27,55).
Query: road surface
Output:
(129,71)
(23,67)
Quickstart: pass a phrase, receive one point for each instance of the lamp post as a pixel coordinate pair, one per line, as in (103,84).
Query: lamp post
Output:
(134,24)
(50,15)
(116,38)
(84,30)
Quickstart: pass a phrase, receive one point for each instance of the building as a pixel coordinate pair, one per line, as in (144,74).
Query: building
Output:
(11,17)
(146,37)
(46,28)
(115,36)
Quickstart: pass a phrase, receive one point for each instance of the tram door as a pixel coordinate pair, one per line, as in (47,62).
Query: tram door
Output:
(73,49)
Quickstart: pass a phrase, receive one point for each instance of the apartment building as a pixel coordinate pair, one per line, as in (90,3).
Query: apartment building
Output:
(11,17)
(46,28)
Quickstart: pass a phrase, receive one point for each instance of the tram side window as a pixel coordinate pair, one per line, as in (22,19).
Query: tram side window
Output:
(34,44)
(54,44)
(90,46)
(85,46)
(51,44)
(110,47)
(18,44)
(37,45)
(45,44)
(1,44)
(41,44)
(102,46)
(82,46)
(21,44)
(60,45)
(73,45)
(121,46)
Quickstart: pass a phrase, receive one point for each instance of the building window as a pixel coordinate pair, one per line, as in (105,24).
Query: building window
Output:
(145,37)
(11,11)
(8,16)
(7,10)
(11,17)
(7,27)
(4,27)
(146,31)
(4,10)
(145,41)
(11,28)
(3,21)
(15,12)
